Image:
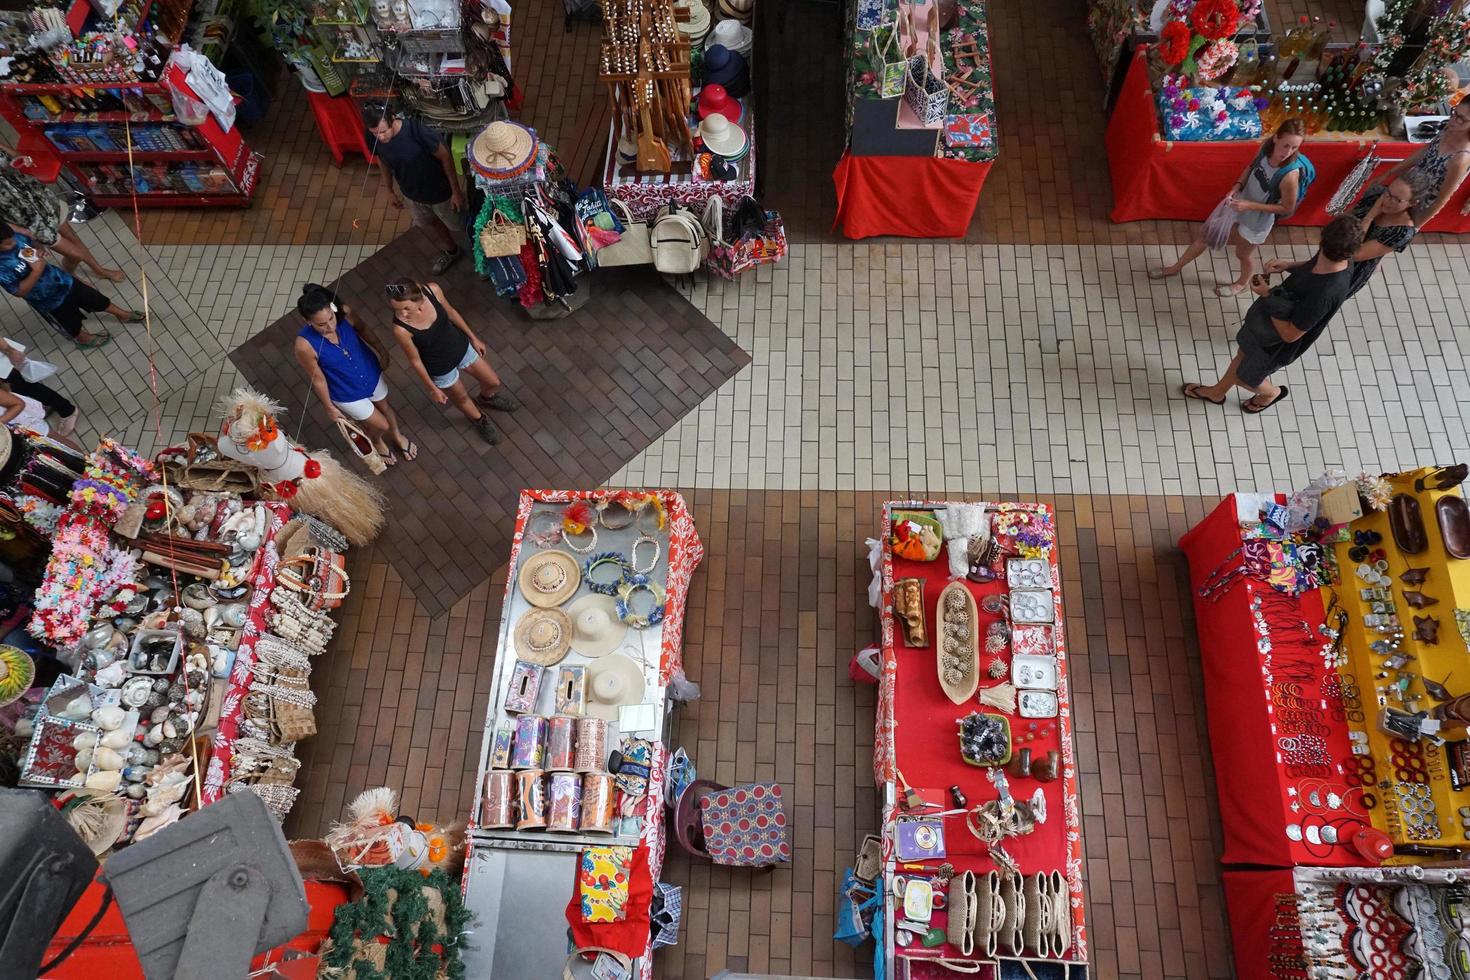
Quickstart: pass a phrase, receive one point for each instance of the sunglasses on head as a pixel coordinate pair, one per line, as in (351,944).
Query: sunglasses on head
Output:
(399,290)
(1426,130)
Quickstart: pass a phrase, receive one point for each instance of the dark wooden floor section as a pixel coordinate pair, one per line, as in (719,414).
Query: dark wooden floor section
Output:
(774,614)
(597,388)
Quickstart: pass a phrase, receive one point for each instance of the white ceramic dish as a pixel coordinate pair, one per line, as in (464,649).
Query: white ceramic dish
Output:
(1036,704)
(1034,673)
(1032,606)
(1028,573)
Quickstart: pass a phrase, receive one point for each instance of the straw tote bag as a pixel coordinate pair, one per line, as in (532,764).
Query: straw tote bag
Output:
(633,247)
(362,446)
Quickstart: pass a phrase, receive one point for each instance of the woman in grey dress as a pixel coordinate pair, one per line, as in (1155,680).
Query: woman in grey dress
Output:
(1270,187)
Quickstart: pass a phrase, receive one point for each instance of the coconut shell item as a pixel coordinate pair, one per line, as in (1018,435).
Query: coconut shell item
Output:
(1406,521)
(1454,524)
(957,658)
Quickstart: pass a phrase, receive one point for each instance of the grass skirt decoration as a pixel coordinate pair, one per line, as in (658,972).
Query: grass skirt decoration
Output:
(313,483)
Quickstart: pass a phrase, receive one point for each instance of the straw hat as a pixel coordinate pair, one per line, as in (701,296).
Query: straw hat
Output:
(543,636)
(734,36)
(7,445)
(503,149)
(612,682)
(714,98)
(596,629)
(697,26)
(721,136)
(17,671)
(548,578)
(740,10)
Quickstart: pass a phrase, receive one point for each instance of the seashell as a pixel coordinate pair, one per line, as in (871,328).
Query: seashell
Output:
(155,582)
(159,714)
(97,636)
(109,717)
(78,708)
(954,602)
(117,739)
(154,737)
(155,700)
(170,745)
(151,757)
(85,740)
(83,759)
(105,780)
(234,614)
(170,730)
(107,758)
(124,624)
(137,755)
(249,541)
(136,791)
(953,675)
(160,685)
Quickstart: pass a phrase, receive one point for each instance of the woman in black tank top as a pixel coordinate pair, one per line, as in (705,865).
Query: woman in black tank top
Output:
(441,347)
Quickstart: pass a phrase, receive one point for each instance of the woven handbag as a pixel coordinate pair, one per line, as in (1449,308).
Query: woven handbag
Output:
(501,237)
(318,576)
(362,446)
(206,468)
(632,247)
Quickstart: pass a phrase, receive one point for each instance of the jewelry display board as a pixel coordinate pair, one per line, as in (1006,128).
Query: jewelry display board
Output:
(937,802)
(496,855)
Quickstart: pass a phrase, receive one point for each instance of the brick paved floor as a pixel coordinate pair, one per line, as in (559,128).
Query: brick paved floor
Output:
(596,388)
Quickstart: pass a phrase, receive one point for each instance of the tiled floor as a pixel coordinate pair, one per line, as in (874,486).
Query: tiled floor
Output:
(1035,361)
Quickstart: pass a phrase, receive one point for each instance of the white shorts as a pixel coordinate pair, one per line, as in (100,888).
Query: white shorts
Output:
(448,380)
(363,408)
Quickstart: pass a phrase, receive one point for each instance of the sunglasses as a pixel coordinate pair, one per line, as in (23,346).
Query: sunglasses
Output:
(399,290)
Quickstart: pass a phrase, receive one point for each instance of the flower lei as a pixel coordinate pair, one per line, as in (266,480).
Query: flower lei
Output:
(39,512)
(635,582)
(1174,42)
(1214,61)
(1214,20)
(70,586)
(1031,532)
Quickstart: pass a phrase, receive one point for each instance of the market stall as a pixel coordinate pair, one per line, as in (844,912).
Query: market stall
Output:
(981,841)
(1157,177)
(920,119)
(106,107)
(1332,622)
(574,760)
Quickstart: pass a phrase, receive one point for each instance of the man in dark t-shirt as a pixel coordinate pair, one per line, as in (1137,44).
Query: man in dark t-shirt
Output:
(418,168)
(1283,323)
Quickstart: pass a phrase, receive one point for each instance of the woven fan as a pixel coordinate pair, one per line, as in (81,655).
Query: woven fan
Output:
(1352,184)
(16,673)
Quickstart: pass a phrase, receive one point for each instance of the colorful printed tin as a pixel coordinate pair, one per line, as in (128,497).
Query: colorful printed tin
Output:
(571,690)
(591,744)
(531,792)
(561,740)
(497,808)
(525,685)
(529,749)
(566,802)
(598,803)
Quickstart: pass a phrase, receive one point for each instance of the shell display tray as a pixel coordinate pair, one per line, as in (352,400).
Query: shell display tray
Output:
(1034,673)
(1028,573)
(1032,606)
(1036,704)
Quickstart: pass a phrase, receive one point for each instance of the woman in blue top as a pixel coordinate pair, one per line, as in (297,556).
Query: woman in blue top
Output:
(345,366)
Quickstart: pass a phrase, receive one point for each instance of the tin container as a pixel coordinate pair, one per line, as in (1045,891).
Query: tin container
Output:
(571,690)
(529,748)
(561,740)
(500,749)
(497,806)
(566,802)
(591,744)
(598,798)
(531,793)
(525,685)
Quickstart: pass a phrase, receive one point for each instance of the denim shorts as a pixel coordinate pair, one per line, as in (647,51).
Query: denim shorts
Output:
(448,380)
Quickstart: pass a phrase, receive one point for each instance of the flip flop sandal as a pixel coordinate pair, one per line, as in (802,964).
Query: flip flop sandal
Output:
(1192,392)
(390,458)
(134,316)
(410,452)
(98,340)
(1225,292)
(1157,274)
(1245,406)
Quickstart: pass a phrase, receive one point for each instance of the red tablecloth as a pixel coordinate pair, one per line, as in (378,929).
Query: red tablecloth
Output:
(914,197)
(1158,178)
(1250,898)
(1254,787)
(917,737)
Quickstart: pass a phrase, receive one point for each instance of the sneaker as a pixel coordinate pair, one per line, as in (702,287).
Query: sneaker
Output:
(487,429)
(68,425)
(501,401)
(446,259)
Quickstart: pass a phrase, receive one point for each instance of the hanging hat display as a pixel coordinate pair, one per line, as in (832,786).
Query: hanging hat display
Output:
(722,137)
(714,99)
(503,150)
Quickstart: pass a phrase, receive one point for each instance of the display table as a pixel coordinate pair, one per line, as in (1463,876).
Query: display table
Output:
(913,197)
(1157,178)
(916,746)
(644,194)
(518,882)
(1248,641)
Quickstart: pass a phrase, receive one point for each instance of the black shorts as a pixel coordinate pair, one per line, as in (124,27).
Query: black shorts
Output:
(80,300)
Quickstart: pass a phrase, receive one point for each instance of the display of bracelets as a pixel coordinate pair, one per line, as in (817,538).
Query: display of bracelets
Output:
(1304,750)
(1416,809)
(1408,761)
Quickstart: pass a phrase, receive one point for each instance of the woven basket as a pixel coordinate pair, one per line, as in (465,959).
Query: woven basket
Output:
(501,237)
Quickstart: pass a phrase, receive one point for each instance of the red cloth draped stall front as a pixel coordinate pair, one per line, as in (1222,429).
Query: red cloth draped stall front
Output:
(1251,782)
(1250,899)
(1158,178)
(913,197)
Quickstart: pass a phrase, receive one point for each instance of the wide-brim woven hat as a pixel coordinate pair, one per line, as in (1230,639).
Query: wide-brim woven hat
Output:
(503,149)
(543,636)
(697,26)
(734,36)
(740,10)
(548,578)
(612,682)
(596,629)
(722,137)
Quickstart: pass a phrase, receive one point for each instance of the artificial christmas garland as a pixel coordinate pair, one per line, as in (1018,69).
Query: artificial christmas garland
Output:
(395,905)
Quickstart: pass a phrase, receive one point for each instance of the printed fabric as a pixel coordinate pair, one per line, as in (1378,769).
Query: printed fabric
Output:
(603,883)
(746,826)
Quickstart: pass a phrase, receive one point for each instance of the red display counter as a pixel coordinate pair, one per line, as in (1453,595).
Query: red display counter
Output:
(912,197)
(1158,178)
(1261,651)
(1254,899)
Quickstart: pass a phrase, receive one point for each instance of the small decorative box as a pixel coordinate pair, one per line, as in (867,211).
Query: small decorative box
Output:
(525,685)
(571,691)
(969,129)
(500,749)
